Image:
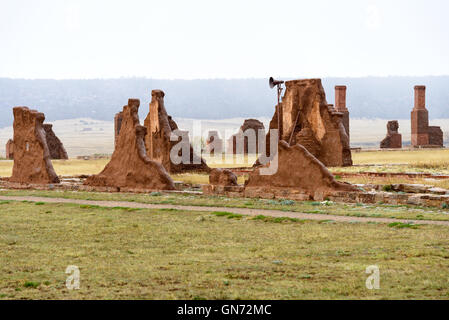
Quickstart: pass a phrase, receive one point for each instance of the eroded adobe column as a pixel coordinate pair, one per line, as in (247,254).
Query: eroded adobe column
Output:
(420,118)
(340,106)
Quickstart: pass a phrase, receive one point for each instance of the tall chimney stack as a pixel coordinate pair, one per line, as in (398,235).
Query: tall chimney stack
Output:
(420,118)
(340,98)
(340,106)
(420,97)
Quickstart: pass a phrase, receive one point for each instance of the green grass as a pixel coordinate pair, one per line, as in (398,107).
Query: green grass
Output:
(159,254)
(325,207)
(401,225)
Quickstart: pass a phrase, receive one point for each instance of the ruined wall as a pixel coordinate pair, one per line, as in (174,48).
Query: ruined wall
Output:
(130,167)
(422,134)
(307,119)
(160,126)
(31,154)
(393,139)
(55,146)
(246,140)
(297,169)
(10,149)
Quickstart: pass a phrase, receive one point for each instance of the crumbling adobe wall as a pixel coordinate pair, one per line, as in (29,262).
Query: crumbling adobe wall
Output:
(31,154)
(246,142)
(297,169)
(160,126)
(55,146)
(130,166)
(10,149)
(307,119)
(393,138)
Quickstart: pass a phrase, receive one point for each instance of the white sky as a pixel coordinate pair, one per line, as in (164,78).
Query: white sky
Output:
(222,39)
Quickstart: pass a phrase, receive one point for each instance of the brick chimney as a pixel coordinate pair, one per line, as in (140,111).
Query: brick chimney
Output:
(340,106)
(420,97)
(420,118)
(340,98)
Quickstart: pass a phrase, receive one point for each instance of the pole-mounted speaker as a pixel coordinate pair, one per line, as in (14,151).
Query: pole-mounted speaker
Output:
(274,83)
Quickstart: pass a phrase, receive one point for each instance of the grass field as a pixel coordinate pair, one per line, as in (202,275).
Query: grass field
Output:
(155,254)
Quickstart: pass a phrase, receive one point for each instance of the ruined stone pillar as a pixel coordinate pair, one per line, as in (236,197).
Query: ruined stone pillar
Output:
(340,106)
(420,118)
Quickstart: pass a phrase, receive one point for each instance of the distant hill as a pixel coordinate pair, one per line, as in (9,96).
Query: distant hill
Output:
(370,97)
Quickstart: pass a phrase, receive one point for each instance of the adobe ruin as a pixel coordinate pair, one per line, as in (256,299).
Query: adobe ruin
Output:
(298,170)
(423,135)
(55,146)
(32,164)
(307,119)
(246,140)
(160,127)
(10,149)
(213,143)
(393,139)
(130,168)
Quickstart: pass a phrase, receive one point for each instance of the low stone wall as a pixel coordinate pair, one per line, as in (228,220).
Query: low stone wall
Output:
(370,197)
(77,185)
(418,195)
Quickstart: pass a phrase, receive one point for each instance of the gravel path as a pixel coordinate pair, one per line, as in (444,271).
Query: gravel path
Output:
(244,211)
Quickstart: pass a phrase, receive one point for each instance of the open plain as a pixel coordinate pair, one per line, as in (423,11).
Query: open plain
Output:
(188,245)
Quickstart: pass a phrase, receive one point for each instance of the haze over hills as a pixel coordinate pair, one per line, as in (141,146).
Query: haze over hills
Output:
(99,99)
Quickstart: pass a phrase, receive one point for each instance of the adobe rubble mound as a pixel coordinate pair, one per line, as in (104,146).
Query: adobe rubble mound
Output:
(55,146)
(32,164)
(130,167)
(394,138)
(297,169)
(160,127)
(307,119)
(222,177)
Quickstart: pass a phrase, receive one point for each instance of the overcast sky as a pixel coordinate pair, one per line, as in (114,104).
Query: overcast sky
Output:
(222,39)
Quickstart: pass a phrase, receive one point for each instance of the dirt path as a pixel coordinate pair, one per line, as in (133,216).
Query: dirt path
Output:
(244,211)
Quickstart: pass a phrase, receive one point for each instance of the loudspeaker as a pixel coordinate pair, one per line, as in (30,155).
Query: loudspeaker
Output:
(274,83)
